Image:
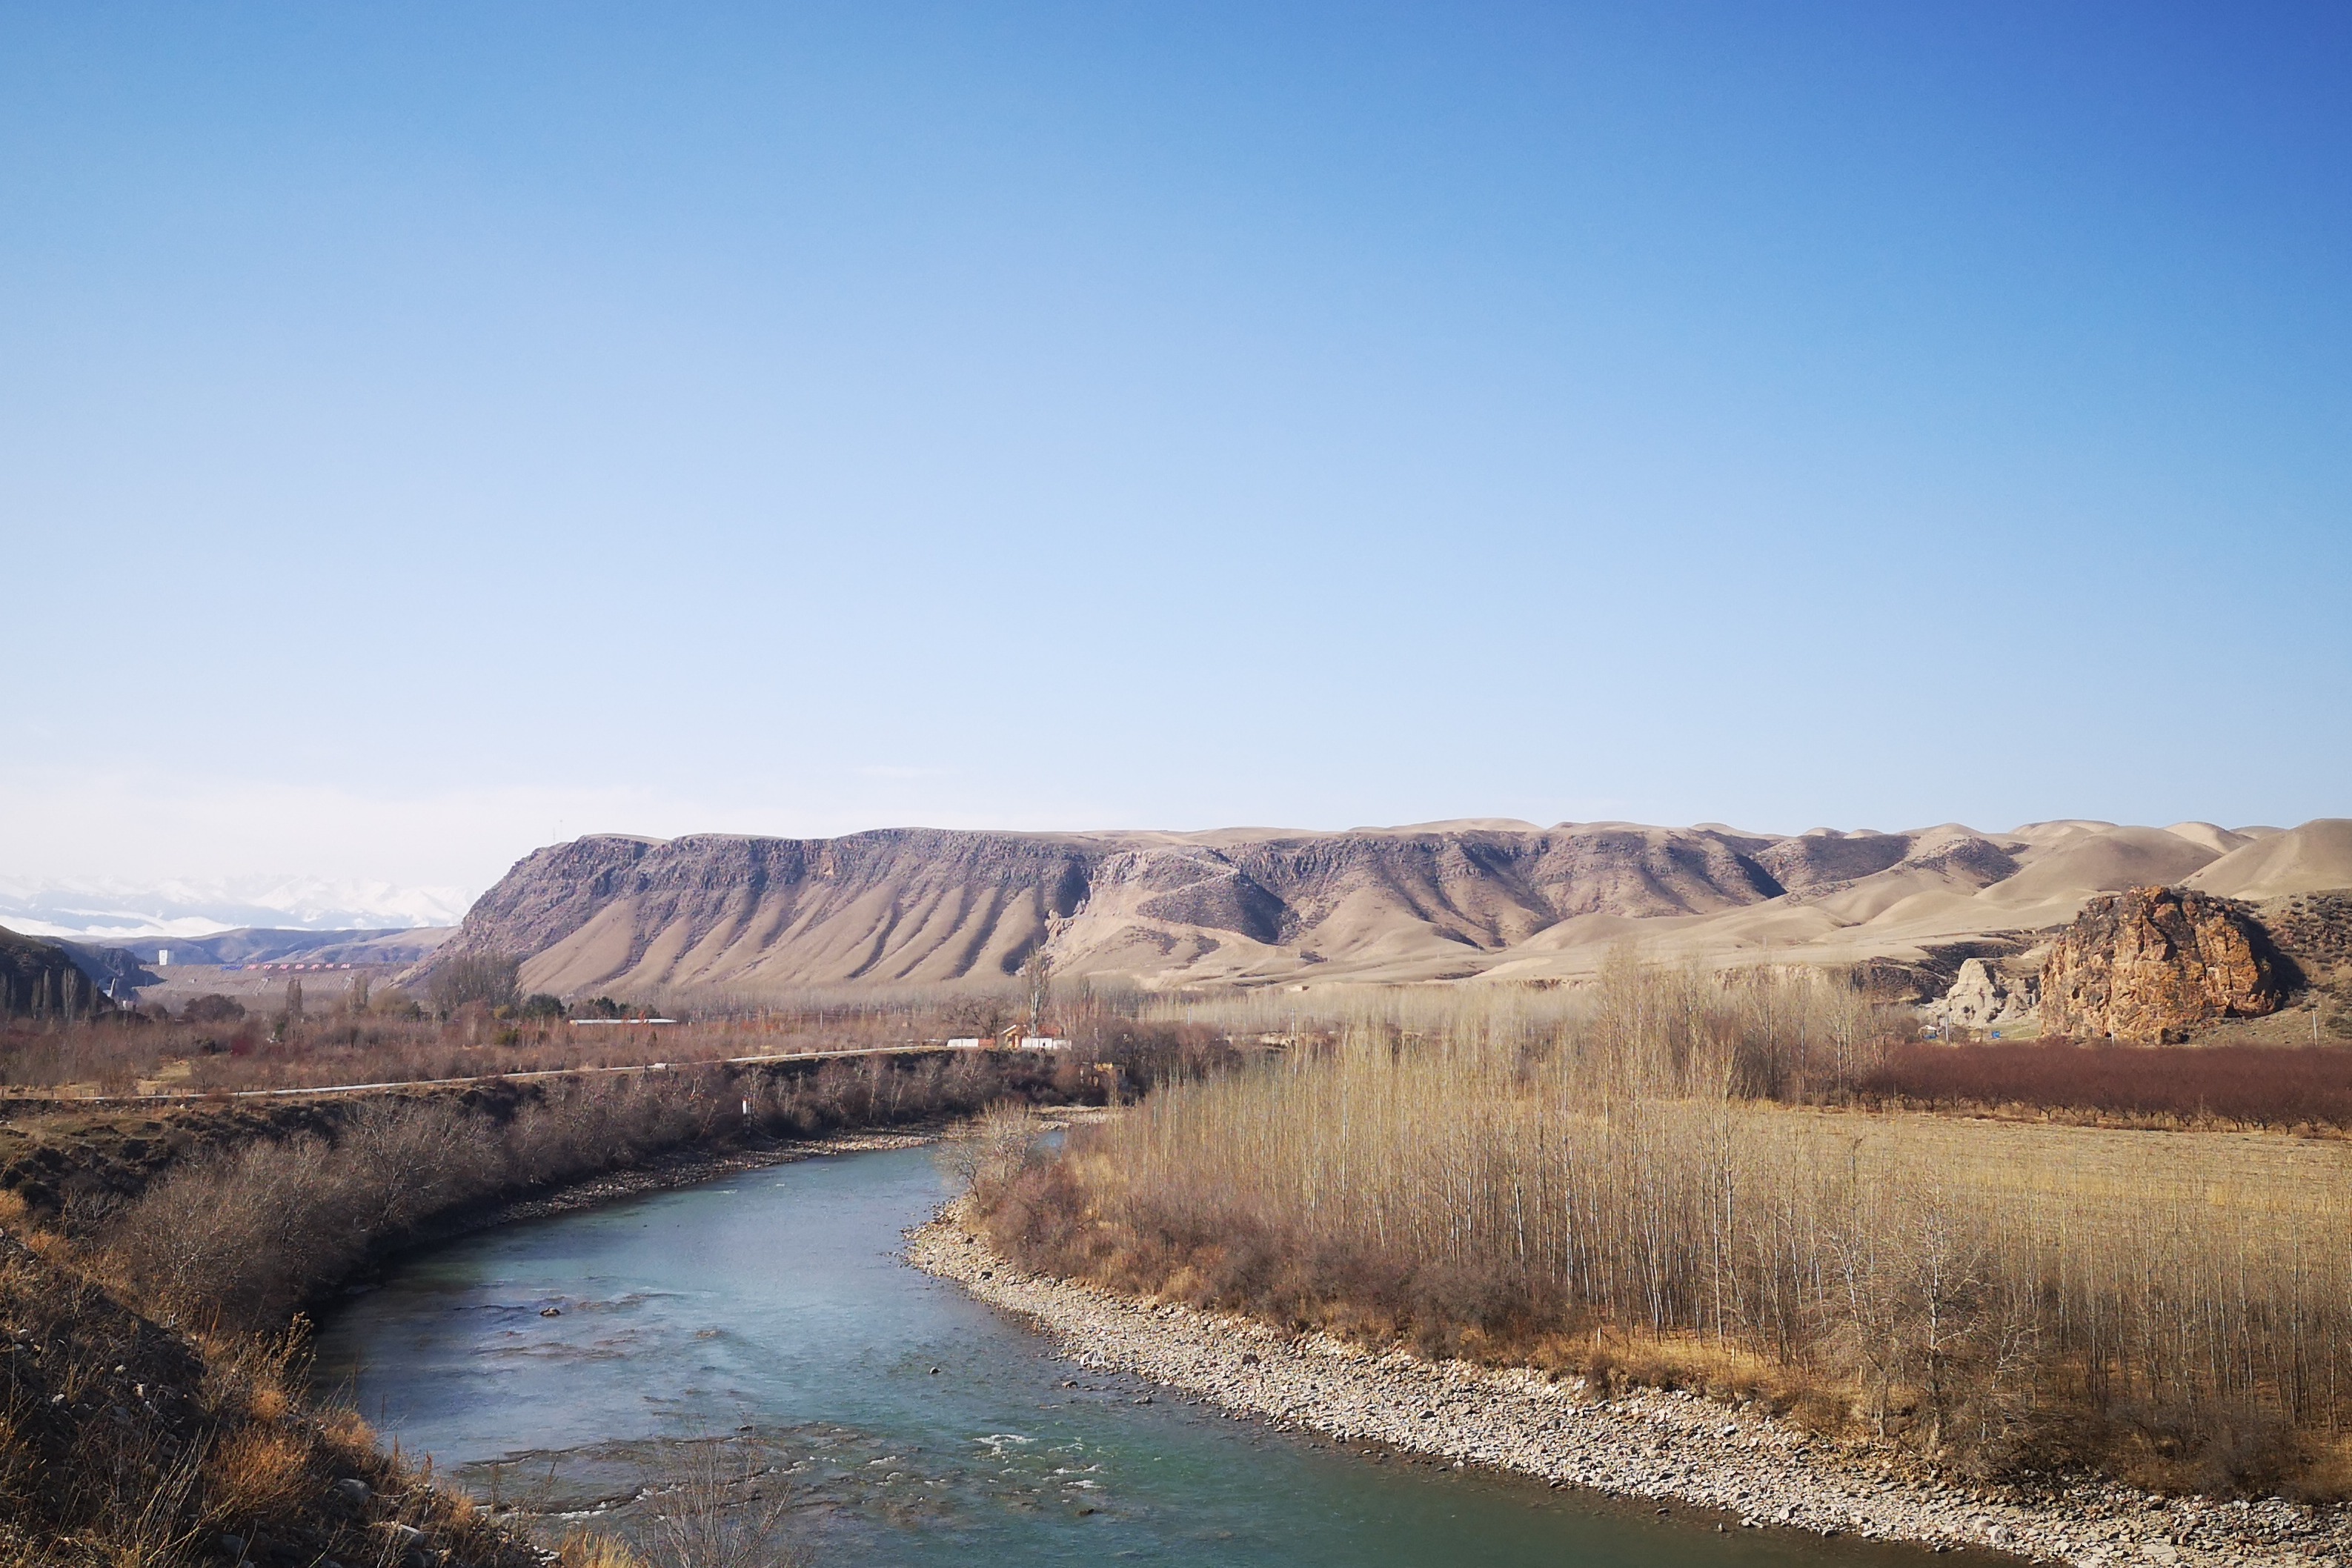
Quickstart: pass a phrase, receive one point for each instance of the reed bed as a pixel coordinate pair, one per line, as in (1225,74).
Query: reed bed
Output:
(1610,1193)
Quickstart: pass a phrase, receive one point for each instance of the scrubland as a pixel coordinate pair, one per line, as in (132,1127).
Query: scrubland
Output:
(1674,1181)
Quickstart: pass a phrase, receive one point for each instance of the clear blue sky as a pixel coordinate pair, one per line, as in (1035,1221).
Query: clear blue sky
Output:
(426,429)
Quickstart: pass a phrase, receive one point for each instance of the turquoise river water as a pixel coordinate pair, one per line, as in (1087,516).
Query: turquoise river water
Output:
(768,1312)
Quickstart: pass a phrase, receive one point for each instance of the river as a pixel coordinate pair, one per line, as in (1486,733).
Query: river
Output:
(769,1311)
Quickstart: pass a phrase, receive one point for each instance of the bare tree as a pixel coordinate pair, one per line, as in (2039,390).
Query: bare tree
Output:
(1037,987)
(991,1149)
(491,977)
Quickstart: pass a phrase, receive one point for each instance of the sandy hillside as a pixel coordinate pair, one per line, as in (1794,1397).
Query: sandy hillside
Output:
(2308,859)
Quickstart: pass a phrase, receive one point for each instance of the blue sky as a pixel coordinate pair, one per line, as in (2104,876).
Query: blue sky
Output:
(426,431)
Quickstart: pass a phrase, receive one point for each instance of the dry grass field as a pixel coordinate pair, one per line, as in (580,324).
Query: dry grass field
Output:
(2117,1177)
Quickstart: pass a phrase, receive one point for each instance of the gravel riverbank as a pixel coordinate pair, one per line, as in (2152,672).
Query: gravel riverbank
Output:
(1676,1448)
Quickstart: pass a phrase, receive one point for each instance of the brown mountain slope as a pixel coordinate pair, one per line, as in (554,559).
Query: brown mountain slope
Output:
(908,905)
(919,906)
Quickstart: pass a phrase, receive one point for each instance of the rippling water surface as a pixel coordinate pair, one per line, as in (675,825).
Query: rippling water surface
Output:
(910,1424)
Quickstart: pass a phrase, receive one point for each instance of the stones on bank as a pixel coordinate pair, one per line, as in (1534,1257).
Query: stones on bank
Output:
(1652,1445)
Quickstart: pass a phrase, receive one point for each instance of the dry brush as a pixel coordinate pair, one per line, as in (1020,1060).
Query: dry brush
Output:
(1609,1193)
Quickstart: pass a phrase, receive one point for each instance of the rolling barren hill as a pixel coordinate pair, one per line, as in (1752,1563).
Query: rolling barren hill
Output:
(1253,906)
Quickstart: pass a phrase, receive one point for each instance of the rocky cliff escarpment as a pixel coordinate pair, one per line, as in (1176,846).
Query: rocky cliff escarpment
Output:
(1503,899)
(2149,964)
(917,906)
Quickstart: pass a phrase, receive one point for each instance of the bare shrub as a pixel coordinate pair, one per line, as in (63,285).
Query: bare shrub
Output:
(212,1008)
(244,1236)
(1791,1033)
(392,1002)
(720,1510)
(988,1152)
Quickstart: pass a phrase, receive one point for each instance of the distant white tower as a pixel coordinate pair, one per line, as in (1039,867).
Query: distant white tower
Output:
(163,958)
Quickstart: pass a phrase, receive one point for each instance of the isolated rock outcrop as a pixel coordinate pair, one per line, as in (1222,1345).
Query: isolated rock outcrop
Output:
(2149,964)
(1988,996)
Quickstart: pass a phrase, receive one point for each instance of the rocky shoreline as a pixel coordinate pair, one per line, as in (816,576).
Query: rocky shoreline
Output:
(1672,1448)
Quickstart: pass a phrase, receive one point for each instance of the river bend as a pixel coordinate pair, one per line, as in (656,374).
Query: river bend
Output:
(914,1426)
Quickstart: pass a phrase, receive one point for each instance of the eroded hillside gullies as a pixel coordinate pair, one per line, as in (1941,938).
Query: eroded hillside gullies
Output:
(897,906)
(1445,901)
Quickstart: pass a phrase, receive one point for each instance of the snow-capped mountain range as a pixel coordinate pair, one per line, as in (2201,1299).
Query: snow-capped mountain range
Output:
(111,910)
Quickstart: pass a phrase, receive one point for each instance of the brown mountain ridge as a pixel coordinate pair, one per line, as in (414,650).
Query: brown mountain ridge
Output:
(1256,906)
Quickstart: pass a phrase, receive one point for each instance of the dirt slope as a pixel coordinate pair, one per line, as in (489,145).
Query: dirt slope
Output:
(128,1442)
